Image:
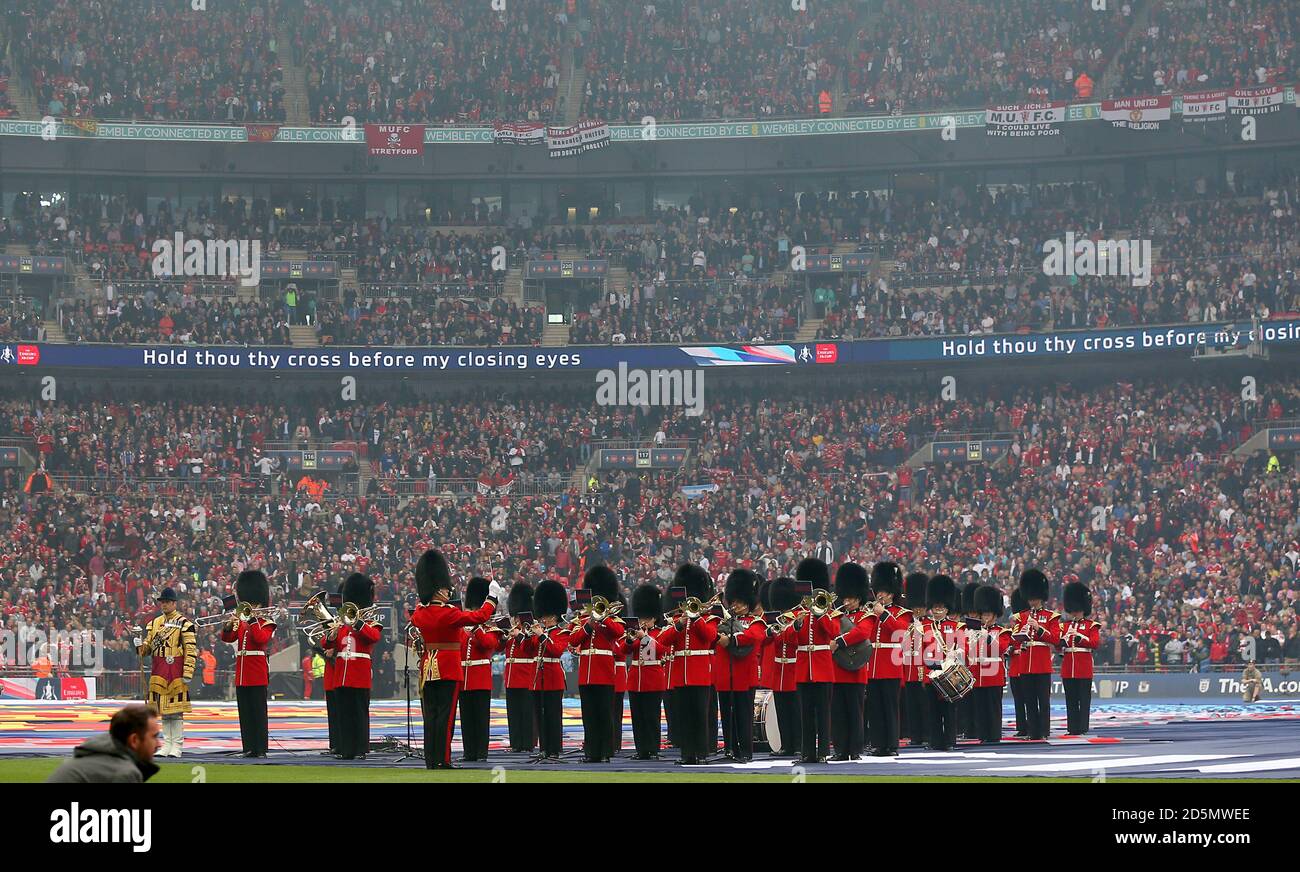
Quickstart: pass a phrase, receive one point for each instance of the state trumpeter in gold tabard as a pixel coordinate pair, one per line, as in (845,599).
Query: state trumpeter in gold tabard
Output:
(170,643)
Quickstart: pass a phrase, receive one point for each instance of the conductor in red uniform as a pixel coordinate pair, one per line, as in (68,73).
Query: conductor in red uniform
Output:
(352,646)
(250,639)
(1037,630)
(735,669)
(440,626)
(885,669)
(1080,637)
(476,684)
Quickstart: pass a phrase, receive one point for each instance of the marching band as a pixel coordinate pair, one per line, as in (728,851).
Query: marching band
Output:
(794,666)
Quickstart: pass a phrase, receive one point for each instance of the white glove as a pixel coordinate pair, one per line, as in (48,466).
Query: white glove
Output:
(137,640)
(494,591)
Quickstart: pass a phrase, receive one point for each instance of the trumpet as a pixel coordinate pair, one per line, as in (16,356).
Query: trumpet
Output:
(244,612)
(315,619)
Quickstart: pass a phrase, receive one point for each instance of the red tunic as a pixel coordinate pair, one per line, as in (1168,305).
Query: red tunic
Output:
(251,639)
(620,665)
(740,673)
(785,661)
(520,668)
(648,670)
(692,664)
(352,649)
(932,651)
(913,663)
(440,625)
(1038,647)
(549,672)
(860,630)
(988,650)
(1078,640)
(595,644)
(813,647)
(887,642)
(476,656)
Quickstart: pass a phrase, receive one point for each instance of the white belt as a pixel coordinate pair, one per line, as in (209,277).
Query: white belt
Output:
(589,651)
(1036,645)
(1078,650)
(472,662)
(886,645)
(785,660)
(354,655)
(251,654)
(520,659)
(986,660)
(813,648)
(690,653)
(645,663)
(550,660)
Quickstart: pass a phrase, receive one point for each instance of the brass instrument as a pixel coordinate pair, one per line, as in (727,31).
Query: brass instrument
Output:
(821,602)
(315,619)
(600,608)
(244,612)
(415,640)
(350,614)
(782,623)
(692,609)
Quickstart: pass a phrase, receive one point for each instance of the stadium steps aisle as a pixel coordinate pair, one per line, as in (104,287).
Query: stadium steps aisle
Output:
(514,286)
(555,334)
(296,107)
(618,280)
(845,246)
(348,280)
(20,90)
(808,330)
(573,79)
(303,336)
(1109,78)
(54,331)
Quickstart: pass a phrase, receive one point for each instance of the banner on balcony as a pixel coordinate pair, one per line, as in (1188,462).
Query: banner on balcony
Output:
(1137,113)
(1256,101)
(395,140)
(1029,119)
(581,137)
(528,133)
(1205,106)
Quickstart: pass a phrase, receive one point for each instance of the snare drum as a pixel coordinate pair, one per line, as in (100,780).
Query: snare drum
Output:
(767,732)
(953,681)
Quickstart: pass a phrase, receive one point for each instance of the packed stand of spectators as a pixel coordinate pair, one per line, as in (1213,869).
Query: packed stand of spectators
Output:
(1199,45)
(433,61)
(1193,547)
(933,54)
(7,108)
(20,321)
(145,60)
(673,59)
(401,321)
(175,319)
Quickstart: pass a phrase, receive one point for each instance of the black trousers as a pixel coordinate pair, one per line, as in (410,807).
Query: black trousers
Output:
(691,710)
(353,705)
(1018,699)
(916,705)
(439,703)
(475,722)
(882,713)
(1037,689)
(645,720)
(988,713)
(332,717)
(616,723)
(1078,704)
(549,705)
(736,711)
(847,731)
(965,716)
(670,715)
(597,720)
(943,722)
(521,719)
(788,721)
(711,740)
(815,718)
(253,727)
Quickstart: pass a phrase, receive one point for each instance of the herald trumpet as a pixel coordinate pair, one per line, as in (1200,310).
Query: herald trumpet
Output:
(244,612)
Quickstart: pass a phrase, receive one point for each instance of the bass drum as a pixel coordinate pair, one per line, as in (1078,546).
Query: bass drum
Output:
(767,731)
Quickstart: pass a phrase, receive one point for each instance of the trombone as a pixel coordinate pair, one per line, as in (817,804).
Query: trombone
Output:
(693,607)
(600,608)
(822,602)
(244,612)
(350,614)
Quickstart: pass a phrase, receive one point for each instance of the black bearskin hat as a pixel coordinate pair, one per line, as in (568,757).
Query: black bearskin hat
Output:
(783,594)
(359,589)
(520,598)
(742,586)
(550,599)
(887,577)
(647,602)
(475,593)
(968,598)
(765,595)
(1077,598)
(941,591)
(601,581)
(914,589)
(988,599)
(1033,584)
(431,575)
(814,570)
(851,580)
(1018,603)
(695,580)
(252,587)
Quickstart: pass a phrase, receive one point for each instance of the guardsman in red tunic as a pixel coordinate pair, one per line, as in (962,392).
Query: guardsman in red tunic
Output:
(989,647)
(476,684)
(331,683)
(1016,670)
(646,677)
(595,641)
(782,641)
(251,669)
(352,645)
(814,669)
(848,733)
(521,650)
(693,638)
(915,709)
(620,682)
(943,640)
(735,668)
(885,669)
(1037,630)
(1080,636)
(441,674)
(550,601)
